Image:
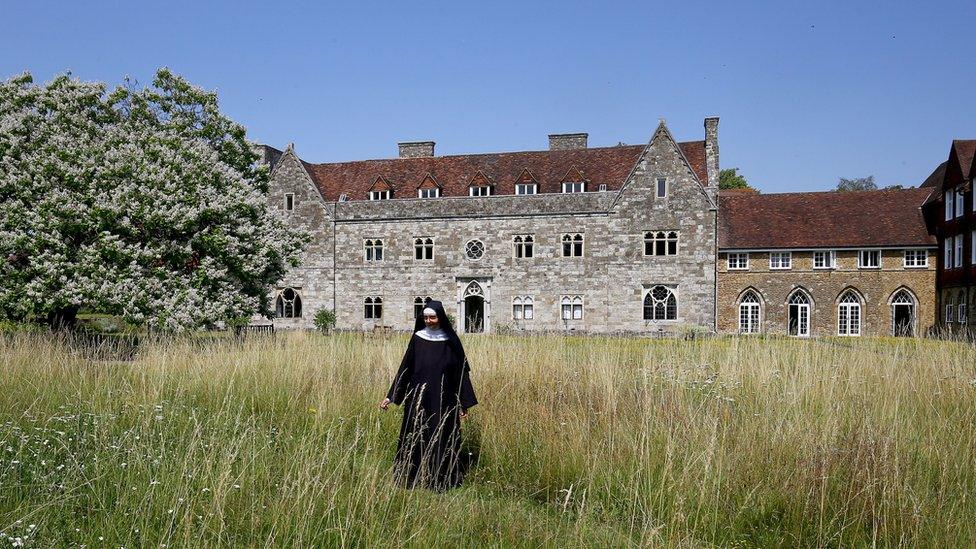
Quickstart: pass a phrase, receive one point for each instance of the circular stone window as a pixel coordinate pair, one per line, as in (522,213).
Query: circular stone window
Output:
(474,249)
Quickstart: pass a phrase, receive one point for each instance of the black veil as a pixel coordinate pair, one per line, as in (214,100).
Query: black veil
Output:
(445,324)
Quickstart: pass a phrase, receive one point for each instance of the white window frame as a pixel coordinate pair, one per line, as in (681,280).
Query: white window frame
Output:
(571,307)
(957,253)
(523,307)
(848,328)
(961,313)
(830,259)
(960,202)
(570,187)
(602,187)
(949,313)
(431,192)
(659,184)
(801,300)
(862,254)
(752,313)
(947,245)
(370,247)
(479,190)
(740,265)
(525,189)
(289,202)
(385,194)
(783,261)
(972,247)
(474,242)
(949,198)
(914,258)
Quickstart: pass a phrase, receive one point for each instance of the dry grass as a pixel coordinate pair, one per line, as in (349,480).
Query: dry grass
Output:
(278,442)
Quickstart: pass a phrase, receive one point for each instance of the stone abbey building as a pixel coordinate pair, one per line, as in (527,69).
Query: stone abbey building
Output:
(622,239)
(606,239)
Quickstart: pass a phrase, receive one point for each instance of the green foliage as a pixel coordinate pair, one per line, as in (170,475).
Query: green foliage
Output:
(146,203)
(857,184)
(729,178)
(325,319)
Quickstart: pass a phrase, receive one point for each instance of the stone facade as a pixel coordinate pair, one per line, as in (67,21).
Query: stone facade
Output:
(611,278)
(875,289)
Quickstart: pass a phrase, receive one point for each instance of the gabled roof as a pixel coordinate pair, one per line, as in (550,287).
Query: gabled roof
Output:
(964,150)
(823,219)
(935,178)
(609,165)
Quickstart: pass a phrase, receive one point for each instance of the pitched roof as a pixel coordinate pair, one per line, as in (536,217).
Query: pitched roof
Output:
(823,219)
(935,178)
(609,165)
(965,150)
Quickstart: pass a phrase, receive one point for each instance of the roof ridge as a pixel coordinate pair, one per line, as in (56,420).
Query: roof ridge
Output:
(499,153)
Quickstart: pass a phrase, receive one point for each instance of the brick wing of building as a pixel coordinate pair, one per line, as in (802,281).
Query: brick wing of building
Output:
(826,263)
(951,215)
(607,239)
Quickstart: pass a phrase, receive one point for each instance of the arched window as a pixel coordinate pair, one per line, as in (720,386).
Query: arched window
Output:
(749,313)
(572,307)
(423,248)
(798,306)
(373,308)
(661,243)
(418,305)
(522,307)
(523,245)
(572,245)
(288,304)
(902,314)
(849,314)
(660,303)
(373,249)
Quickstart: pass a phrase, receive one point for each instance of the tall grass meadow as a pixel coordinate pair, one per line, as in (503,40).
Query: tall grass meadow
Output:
(277,441)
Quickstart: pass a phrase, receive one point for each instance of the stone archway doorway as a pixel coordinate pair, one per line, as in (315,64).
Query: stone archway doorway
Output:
(474,308)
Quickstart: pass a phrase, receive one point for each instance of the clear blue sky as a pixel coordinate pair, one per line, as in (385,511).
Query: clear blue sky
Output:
(807,91)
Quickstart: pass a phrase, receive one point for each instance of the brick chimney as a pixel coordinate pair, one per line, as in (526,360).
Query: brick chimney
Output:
(416,149)
(567,141)
(711,151)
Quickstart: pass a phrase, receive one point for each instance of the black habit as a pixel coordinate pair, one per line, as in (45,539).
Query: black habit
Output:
(433,385)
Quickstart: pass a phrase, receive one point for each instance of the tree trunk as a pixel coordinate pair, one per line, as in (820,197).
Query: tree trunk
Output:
(65,318)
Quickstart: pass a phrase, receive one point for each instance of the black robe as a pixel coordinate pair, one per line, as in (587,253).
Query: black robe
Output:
(433,385)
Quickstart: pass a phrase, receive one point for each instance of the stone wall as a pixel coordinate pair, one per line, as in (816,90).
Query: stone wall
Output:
(611,276)
(876,286)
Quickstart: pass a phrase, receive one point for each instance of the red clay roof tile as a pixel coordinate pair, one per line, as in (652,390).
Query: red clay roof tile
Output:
(823,219)
(609,165)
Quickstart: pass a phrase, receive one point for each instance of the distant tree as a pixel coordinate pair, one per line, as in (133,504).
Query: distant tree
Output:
(729,178)
(148,204)
(857,184)
(889,187)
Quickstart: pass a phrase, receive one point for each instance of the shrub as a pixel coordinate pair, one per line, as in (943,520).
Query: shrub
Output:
(325,320)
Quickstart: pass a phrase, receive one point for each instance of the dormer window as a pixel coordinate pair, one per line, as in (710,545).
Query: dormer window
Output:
(482,190)
(960,203)
(573,187)
(433,192)
(343,197)
(380,195)
(949,197)
(603,187)
(526,188)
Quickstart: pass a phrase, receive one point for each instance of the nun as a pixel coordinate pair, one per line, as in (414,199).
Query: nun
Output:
(434,388)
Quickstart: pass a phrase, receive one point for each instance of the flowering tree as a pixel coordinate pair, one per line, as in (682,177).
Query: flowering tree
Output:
(146,203)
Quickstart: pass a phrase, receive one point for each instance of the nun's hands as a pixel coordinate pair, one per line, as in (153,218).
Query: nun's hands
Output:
(385,404)
(464,413)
